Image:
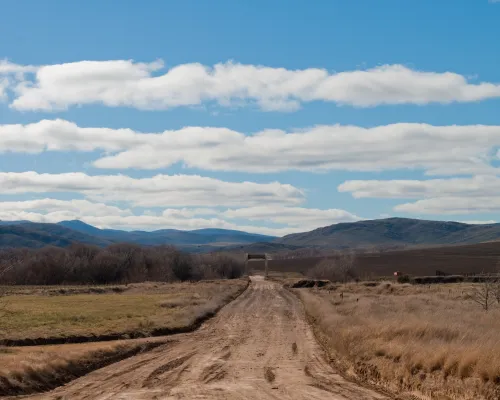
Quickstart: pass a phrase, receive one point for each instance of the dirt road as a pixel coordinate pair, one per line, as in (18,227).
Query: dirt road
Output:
(258,347)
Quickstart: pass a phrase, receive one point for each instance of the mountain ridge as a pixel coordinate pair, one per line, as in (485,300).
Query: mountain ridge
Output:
(25,233)
(361,234)
(393,231)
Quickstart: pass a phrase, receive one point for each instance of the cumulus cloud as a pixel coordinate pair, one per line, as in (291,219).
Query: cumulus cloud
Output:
(55,210)
(437,149)
(158,191)
(292,219)
(452,205)
(477,186)
(11,75)
(127,83)
(478,194)
(309,218)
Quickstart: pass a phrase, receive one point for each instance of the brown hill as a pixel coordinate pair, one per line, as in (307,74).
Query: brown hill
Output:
(393,231)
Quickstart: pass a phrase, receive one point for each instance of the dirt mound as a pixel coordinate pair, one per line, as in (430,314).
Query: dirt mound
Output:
(309,283)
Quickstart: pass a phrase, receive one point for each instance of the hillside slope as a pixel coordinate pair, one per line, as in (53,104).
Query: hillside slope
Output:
(393,231)
(29,234)
(37,235)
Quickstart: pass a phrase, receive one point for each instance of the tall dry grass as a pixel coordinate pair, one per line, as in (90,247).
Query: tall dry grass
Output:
(42,368)
(430,340)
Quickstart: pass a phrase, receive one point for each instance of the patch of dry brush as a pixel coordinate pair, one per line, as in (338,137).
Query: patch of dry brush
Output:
(39,369)
(433,340)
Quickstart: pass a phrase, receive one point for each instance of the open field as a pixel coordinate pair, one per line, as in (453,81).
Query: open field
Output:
(45,315)
(410,339)
(38,315)
(258,347)
(454,260)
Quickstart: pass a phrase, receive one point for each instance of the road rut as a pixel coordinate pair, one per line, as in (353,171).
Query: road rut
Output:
(258,347)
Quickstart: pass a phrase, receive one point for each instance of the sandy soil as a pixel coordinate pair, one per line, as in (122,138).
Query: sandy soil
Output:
(258,347)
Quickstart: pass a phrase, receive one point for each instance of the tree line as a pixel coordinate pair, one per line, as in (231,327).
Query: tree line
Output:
(117,263)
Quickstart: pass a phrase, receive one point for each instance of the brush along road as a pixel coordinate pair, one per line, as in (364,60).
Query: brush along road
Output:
(258,347)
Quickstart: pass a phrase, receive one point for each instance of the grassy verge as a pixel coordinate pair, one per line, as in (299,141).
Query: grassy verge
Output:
(409,339)
(37,369)
(141,310)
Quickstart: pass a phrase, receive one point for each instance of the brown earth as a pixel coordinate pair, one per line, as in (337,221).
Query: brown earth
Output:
(454,260)
(258,347)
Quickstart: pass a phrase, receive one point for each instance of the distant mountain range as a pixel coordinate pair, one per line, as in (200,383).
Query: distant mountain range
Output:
(381,232)
(29,234)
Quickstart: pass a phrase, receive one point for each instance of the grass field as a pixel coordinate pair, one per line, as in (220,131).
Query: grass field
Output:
(58,314)
(137,310)
(430,340)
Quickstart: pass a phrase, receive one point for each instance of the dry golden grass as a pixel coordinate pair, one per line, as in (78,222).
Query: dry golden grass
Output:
(138,310)
(71,312)
(26,370)
(420,339)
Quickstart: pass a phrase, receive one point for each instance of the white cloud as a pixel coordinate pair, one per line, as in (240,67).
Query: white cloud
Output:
(477,186)
(54,210)
(306,218)
(437,149)
(479,222)
(11,75)
(141,85)
(478,194)
(7,67)
(158,191)
(452,205)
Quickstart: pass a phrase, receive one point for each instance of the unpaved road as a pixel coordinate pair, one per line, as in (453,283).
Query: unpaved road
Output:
(258,347)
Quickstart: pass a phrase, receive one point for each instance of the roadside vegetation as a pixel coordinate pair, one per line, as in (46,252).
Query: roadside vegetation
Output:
(435,340)
(25,370)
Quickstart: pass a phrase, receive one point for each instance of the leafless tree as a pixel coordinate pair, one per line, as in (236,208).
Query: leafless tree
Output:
(496,285)
(118,263)
(338,269)
(484,293)
(8,261)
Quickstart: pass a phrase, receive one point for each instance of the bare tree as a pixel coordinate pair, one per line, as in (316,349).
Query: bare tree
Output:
(8,261)
(484,293)
(339,269)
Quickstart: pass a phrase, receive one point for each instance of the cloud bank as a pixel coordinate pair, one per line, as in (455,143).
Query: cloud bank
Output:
(438,150)
(147,86)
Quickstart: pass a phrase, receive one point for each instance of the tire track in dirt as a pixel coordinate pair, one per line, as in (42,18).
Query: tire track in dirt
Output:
(258,347)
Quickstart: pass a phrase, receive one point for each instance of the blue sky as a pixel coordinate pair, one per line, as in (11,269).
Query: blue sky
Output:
(384,108)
